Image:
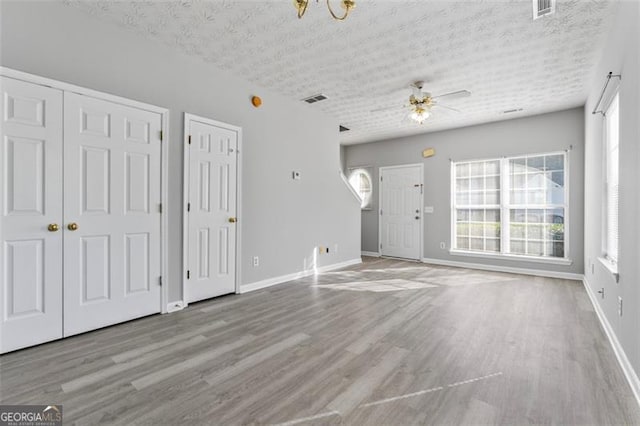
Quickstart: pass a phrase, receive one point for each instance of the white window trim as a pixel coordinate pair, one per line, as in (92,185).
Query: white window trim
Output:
(504,210)
(605,259)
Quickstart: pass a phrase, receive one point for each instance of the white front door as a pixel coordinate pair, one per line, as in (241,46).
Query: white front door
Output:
(211,241)
(401,211)
(31,208)
(112,181)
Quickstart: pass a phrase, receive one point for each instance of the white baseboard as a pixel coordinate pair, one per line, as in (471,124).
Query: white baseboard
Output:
(495,268)
(175,306)
(371,253)
(626,366)
(296,275)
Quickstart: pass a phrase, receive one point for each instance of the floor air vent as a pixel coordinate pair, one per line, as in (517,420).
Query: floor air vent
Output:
(543,8)
(315,98)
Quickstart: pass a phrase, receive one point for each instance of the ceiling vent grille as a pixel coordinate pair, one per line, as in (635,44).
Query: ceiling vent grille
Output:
(344,129)
(315,98)
(511,111)
(543,8)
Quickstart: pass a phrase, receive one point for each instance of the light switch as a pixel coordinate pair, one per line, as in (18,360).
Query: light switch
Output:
(428,209)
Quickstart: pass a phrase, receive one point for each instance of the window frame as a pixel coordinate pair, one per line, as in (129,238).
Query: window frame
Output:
(366,203)
(610,263)
(505,206)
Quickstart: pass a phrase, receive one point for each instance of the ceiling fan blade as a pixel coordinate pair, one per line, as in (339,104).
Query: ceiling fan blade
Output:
(454,95)
(446,107)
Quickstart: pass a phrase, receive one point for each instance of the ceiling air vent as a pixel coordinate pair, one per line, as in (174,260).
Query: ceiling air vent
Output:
(315,98)
(543,8)
(510,111)
(343,129)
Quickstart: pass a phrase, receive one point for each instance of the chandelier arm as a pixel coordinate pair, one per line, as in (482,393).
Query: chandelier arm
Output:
(301,11)
(336,17)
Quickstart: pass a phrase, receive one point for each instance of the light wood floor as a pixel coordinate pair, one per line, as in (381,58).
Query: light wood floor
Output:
(384,343)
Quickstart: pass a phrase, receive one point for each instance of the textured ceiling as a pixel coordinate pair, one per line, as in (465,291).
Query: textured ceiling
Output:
(492,48)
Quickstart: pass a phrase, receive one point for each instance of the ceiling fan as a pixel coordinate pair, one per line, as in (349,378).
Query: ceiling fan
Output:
(421,102)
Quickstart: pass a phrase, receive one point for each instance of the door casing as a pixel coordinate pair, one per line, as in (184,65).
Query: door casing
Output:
(421,239)
(188,117)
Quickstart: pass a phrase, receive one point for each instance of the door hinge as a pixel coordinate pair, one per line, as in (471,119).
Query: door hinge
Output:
(161,135)
(380,245)
(380,178)
(188,207)
(160,280)
(189,140)
(160,207)
(380,212)
(188,274)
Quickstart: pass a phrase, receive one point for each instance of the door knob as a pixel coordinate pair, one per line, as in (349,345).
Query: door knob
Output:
(53,227)
(232,220)
(72,226)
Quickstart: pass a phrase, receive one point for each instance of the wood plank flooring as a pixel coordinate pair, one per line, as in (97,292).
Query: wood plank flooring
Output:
(386,342)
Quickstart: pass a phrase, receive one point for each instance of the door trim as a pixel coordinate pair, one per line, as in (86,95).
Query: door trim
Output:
(164,193)
(188,117)
(402,166)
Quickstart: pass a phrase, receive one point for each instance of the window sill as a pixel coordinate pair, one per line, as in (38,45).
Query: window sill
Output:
(611,267)
(547,260)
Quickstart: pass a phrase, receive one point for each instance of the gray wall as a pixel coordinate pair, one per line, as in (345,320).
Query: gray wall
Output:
(620,55)
(537,134)
(283,219)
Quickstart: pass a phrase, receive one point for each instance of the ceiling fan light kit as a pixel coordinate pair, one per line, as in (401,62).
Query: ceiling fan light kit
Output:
(347,6)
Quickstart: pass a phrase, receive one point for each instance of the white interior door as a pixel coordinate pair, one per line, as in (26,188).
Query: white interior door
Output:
(31,204)
(212,188)
(112,161)
(401,212)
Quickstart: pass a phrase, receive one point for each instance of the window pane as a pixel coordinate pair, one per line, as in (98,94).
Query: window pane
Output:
(492,245)
(492,167)
(462,170)
(462,243)
(462,184)
(535,163)
(476,169)
(462,229)
(554,162)
(517,247)
(476,198)
(493,182)
(477,244)
(476,183)
(519,181)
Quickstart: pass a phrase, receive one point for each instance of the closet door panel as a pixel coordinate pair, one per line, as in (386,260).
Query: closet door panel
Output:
(31,209)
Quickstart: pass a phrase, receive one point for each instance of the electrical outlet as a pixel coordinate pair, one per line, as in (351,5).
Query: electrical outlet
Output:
(321,249)
(619,306)
(443,245)
(256,261)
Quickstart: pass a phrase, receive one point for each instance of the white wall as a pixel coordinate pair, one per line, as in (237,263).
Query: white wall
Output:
(283,220)
(538,134)
(620,55)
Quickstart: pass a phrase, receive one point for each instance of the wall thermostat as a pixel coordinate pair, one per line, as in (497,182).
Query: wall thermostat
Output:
(295,175)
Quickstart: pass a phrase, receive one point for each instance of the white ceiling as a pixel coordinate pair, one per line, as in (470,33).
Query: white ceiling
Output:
(492,48)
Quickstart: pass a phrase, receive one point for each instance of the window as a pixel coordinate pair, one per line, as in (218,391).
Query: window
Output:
(360,180)
(511,206)
(610,239)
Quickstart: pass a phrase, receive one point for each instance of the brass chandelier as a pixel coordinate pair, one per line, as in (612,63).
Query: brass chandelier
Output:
(347,5)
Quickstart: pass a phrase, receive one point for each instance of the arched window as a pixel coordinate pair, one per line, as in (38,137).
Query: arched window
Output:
(360,180)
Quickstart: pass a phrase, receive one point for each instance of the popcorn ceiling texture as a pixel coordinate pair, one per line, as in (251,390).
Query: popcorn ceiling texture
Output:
(492,48)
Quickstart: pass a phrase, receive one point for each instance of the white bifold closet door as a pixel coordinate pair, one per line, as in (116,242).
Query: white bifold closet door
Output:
(211,218)
(112,195)
(31,204)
